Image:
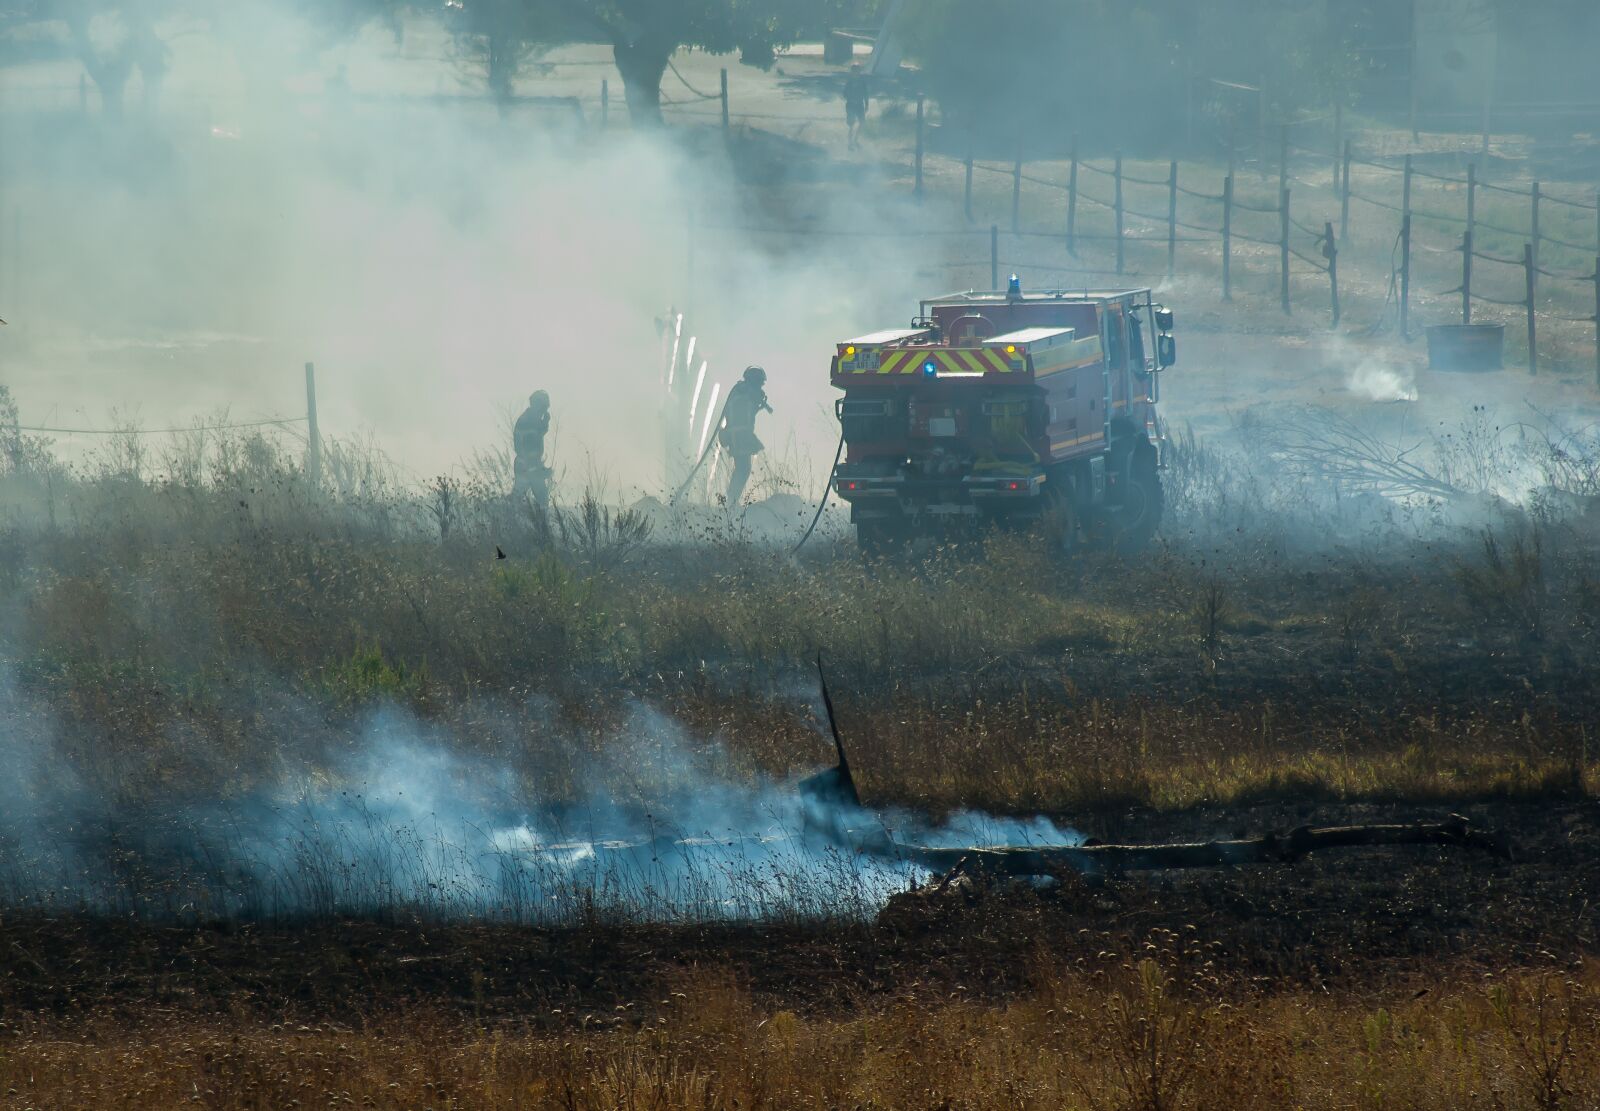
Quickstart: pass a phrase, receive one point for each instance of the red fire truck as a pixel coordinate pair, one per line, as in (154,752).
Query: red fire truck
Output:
(1032,409)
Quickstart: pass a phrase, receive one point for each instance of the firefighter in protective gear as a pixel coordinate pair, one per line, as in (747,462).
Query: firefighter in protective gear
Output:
(738,432)
(529,473)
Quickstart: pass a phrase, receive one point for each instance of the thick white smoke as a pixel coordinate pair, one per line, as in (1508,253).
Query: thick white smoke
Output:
(408,822)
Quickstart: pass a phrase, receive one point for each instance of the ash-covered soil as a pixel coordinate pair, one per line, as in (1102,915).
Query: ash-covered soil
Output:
(1343,919)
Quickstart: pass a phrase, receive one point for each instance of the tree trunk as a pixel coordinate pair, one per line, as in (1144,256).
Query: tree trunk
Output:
(642,65)
(109,72)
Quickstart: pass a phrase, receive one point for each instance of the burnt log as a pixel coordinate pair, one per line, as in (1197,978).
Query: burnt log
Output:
(1272,848)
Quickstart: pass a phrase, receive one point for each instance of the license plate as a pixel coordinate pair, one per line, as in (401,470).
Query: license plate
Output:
(867,360)
(941,426)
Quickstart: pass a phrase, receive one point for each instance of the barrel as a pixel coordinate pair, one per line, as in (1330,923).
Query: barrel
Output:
(1466,346)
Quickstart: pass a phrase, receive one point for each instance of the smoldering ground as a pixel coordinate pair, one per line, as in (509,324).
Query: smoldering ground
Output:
(397,818)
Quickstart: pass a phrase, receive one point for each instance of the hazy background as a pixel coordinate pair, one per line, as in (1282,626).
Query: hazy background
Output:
(197,198)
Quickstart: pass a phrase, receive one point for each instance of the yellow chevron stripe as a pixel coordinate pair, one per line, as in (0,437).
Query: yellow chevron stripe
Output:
(892,361)
(997,361)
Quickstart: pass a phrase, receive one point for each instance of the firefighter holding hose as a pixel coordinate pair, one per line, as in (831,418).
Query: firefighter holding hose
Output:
(746,401)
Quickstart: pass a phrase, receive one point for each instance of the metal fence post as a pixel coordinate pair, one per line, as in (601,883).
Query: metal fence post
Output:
(1072,201)
(917,189)
(1283,248)
(1016,194)
(1533,323)
(1466,277)
(605,102)
(1227,238)
(1597,321)
(1118,198)
(1405,276)
(1331,249)
(994,256)
(1172,218)
(1344,197)
(725,123)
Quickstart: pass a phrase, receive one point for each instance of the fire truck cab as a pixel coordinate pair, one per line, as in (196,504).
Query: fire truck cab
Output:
(1009,408)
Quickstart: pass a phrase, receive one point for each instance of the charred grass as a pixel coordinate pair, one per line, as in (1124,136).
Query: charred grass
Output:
(189,637)
(168,640)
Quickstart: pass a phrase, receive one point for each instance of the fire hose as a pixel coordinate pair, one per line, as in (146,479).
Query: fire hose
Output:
(823,504)
(711,443)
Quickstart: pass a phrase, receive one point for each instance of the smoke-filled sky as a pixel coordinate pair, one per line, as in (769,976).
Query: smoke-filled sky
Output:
(436,262)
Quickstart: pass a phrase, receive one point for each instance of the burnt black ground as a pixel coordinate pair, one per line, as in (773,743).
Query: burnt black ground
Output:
(1355,920)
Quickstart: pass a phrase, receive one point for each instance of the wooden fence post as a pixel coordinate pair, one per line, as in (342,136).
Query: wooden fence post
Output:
(1331,249)
(1118,206)
(1405,276)
(1534,223)
(994,256)
(917,189)
(1466,277)
(1283,248)
(1533,323)
(1338,141)
(1172,218)
(1344,197)
(1405,190)
(968,192)
(1283,157)
(605,103)
(1261,127)
(1072,201)
(1016,194)
(1227,238)
(1472,197)
(313,433)
(725,123)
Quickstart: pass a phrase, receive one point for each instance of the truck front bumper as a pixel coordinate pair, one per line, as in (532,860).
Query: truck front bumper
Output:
(879,494)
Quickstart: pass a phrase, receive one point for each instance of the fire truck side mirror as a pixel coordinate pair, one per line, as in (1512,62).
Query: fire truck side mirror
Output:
(1166,351)
(1163,318)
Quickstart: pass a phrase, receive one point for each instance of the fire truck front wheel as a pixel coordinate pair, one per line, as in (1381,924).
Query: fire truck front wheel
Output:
(1135,521)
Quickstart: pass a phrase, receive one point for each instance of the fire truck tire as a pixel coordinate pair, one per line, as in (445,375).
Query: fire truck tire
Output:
(880,538)
(1059,523)
(1136,521)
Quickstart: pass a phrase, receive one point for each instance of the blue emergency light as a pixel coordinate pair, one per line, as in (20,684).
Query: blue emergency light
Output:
(1014,290)
(930,368)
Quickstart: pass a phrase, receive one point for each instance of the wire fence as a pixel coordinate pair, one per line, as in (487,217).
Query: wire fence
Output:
(1408,201)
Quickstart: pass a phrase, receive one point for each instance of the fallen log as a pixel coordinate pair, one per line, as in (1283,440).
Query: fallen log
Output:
(1273,848)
